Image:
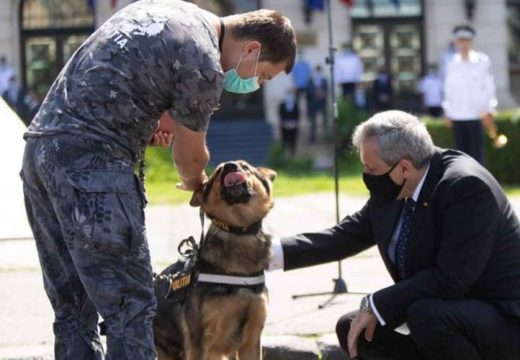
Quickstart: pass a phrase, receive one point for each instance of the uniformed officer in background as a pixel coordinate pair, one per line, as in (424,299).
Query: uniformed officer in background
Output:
(85,205)
(469,94)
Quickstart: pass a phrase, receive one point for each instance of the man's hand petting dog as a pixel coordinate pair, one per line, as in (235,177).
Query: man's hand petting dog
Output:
(195,184)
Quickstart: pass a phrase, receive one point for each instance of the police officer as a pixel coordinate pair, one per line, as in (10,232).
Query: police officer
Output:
(469,94)
(85,205)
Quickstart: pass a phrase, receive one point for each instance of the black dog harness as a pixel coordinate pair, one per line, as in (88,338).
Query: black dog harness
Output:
(194,271)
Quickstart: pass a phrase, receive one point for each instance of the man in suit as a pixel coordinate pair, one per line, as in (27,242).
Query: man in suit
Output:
(449,238)
(382,89)
(317,89)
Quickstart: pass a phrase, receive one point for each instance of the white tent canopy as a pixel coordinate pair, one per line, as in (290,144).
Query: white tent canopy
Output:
(13,220)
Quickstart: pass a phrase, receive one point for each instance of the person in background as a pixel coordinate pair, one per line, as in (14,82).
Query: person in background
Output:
(469,94)
(15,97)
(289,121)
(382,90)
(446,58)
(348,71)
(430,87)
(32,105)
(301,75)
(6,71)
(316,100)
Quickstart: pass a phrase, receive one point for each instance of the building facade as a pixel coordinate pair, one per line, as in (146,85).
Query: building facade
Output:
(38,36)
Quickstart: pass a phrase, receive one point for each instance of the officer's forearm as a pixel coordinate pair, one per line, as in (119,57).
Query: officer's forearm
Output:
(191,170)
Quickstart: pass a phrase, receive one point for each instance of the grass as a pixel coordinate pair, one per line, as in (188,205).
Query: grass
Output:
(296,179)
(164,192)
(512,190)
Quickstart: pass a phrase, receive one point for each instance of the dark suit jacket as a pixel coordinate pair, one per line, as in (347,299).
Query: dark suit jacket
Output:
(464,241)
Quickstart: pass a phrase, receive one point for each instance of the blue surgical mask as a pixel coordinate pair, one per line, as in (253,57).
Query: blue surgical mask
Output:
(235,84)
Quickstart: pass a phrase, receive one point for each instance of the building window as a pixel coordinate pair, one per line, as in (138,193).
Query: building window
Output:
(44,14)
(386,8)
(51,30)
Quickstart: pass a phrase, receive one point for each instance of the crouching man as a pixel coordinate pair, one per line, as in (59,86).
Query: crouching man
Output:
(448,237)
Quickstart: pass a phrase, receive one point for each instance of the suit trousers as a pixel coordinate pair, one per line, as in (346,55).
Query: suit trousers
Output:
(469,138)
(461,329)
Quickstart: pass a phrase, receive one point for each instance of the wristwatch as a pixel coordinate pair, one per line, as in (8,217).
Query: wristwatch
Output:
(365,306)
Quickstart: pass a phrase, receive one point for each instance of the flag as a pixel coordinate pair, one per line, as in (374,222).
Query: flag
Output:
(349,3)
(315,5)
(396,3)
(92,5)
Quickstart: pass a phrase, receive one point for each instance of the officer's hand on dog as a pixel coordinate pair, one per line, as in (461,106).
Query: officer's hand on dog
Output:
(192,184)
(162,138)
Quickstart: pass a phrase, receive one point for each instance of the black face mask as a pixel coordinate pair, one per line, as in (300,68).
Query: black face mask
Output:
(382,186)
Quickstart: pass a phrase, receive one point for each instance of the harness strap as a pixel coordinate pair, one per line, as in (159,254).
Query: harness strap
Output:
(231,280)
(201,216)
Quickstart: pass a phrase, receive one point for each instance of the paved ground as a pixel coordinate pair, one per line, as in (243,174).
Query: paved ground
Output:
(26,317)
(25,329)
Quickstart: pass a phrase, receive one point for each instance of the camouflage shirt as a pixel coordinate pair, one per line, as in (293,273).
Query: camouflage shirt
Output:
(152,56)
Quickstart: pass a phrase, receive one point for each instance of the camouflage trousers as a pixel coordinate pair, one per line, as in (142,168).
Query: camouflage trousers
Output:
(85,208)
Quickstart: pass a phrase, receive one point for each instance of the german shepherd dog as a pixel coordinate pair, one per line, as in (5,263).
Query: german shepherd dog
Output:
(222,320)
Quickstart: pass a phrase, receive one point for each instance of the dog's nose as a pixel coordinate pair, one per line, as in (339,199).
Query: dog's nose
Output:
(230,166)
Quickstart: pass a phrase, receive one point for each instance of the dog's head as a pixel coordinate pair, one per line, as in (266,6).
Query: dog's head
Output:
(237,193)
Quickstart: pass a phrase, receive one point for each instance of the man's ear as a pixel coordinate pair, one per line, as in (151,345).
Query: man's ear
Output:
(251,46)
(407,165)
(268,173)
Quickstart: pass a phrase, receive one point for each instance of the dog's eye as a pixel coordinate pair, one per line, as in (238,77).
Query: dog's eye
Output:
(245,167)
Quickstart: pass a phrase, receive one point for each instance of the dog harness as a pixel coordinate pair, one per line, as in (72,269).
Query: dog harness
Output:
(193,271)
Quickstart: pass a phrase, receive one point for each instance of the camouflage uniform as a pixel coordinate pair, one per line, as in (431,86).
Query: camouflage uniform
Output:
(84,203)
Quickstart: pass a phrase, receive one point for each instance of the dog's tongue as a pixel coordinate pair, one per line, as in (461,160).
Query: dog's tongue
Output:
(234,178)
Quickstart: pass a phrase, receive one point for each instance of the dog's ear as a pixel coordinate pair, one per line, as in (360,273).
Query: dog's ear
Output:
(197,197)
(268,173)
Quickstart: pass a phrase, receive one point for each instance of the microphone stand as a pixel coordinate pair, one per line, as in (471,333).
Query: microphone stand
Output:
(340,286)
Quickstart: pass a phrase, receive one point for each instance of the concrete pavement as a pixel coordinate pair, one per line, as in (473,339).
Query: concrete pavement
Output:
(26,316)
(25,329)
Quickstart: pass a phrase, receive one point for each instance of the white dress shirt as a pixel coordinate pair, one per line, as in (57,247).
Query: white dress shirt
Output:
(348,68)
(469,88)
(431,88)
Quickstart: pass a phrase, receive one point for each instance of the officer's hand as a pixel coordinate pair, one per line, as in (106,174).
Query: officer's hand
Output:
(448,123)
(362,321)
(487,121)
(161,138)
(192,184)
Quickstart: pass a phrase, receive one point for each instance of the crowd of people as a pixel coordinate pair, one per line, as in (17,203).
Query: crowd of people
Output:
(462,92)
